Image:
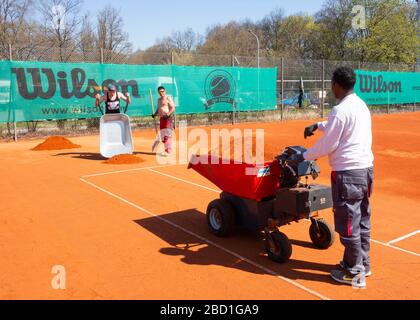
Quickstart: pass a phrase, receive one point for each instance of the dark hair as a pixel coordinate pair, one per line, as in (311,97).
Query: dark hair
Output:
(345,77)
(161,88)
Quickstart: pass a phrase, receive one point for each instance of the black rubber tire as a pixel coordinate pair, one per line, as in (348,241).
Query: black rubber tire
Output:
(284,247)
(226,215)
(326,235)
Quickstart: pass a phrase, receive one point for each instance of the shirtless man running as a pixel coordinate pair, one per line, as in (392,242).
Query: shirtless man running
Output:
(166,108)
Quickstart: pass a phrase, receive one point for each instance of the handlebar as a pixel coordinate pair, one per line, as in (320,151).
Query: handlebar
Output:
(126,106)
(99,105)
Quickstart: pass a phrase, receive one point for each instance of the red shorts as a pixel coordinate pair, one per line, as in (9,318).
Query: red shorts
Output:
(165,123)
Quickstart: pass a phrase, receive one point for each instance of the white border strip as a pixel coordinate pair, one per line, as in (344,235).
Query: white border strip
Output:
(185,181)
(257,265)
(404,237)
(394,247)
(130,170)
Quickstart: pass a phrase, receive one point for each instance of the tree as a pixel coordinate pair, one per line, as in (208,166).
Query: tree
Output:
(178,45)
(60,20)
(178,41)
(184,41)
(293,35)
(88,40)
(14,27)
(231,39)
(271,29)
(389,35)
(330,34)
(110,34)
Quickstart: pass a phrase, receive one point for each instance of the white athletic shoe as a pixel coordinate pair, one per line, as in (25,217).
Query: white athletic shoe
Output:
(164,154)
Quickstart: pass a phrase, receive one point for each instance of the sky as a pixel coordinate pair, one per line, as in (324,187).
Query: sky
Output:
(148,20)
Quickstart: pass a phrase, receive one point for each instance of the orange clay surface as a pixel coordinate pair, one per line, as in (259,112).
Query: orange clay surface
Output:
(140,232)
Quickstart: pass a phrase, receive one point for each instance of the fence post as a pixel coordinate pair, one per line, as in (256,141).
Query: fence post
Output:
(14,111)
(233,106)
(389,69)
(415,103)
(415,70)
(282,89)
(323,88)
(102,56)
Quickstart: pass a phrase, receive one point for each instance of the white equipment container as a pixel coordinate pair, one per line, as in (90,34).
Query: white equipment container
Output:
(115,135)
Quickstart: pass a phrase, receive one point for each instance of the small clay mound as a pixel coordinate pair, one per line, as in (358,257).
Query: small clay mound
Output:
(56,143)
(124,159)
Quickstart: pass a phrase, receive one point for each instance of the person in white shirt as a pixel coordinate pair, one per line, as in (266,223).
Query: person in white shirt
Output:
(347,141)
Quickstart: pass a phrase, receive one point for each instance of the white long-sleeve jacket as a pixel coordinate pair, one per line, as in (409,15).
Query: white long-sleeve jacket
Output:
(347,136)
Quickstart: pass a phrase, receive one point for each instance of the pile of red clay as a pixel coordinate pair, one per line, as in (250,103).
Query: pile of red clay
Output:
(56,143)
(124,159)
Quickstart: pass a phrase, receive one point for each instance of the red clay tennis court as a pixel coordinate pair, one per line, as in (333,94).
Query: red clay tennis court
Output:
(139,231)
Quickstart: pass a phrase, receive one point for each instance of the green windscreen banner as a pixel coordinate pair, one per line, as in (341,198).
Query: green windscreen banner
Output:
(388,87)
(52,91)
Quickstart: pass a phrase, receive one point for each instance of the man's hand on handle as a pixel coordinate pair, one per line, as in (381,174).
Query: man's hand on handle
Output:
(309,131)
(128,97)
(97,97)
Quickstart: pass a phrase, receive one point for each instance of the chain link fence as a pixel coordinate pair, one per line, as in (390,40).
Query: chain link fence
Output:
(315,76)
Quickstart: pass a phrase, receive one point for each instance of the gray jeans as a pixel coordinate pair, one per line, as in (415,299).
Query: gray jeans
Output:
(351,191)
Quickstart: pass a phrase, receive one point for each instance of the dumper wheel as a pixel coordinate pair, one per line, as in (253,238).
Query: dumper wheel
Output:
(321,233)
(282,249)
(221,217)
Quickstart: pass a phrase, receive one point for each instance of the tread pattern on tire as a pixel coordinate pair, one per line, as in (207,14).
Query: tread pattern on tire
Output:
(285,247)
(325,227)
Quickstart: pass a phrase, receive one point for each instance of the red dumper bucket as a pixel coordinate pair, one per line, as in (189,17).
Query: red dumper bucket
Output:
(243,180)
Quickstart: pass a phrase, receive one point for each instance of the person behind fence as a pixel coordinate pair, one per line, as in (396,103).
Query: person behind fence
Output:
(166,108)
(112,99)
(301,97)
(347,141)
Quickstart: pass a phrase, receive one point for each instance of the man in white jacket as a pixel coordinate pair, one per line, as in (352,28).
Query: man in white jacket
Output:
(347,141)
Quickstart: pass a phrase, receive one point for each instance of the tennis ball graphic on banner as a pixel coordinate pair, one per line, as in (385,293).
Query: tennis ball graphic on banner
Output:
(219,88)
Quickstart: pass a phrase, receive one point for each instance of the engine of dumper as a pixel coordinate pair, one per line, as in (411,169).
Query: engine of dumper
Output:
(292,170)
(295,199)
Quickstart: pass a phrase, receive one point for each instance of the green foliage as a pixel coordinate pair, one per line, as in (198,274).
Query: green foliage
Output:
(389,36)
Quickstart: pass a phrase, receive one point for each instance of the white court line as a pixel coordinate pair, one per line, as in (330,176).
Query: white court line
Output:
(204,187)
(186,181)
(130,170)
(404,237)
(394,247)
(255,264)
